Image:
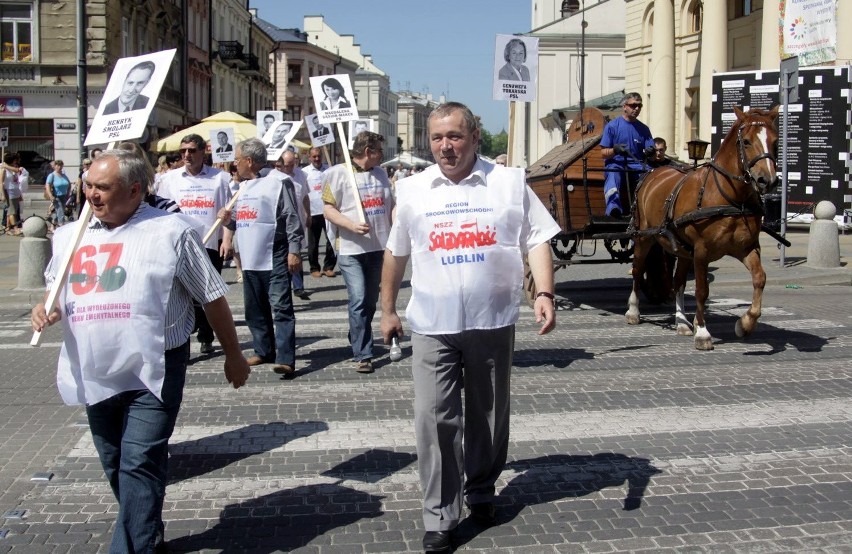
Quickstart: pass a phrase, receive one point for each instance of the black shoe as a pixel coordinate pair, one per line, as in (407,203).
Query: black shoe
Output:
(436,541)
(483,513)
(207,348)
(615,212)
(302,293)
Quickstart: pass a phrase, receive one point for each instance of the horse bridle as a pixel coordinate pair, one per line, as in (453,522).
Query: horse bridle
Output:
(748,164)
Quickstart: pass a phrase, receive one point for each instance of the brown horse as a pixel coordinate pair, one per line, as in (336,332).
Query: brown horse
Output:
(706,213)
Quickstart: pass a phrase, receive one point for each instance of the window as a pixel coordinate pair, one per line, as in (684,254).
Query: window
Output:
(16,32)
(294,74)
(743,8)
(297,112)
(125,37)
(696,13)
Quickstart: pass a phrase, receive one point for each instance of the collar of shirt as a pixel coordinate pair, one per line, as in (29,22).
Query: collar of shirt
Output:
(98,224)
(205,169)
(476,176)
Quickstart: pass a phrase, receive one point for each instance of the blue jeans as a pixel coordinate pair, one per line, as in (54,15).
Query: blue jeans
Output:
(131,432)
(59,208)
(269,312)
(362,274)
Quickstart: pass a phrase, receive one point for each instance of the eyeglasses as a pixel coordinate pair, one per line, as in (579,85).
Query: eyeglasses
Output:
(188,150)
(634,106)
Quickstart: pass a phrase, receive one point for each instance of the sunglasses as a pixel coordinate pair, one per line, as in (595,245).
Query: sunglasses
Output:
(634,106)
(188,150)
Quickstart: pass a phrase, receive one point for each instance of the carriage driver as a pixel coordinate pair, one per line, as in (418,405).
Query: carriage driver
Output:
(623,145)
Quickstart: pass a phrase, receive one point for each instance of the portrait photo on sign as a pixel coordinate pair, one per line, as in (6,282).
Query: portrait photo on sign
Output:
(358,126)
(321,135)
(279,136)
(515,68)
(222,144)
(129,97)
(265,120)
(333,98)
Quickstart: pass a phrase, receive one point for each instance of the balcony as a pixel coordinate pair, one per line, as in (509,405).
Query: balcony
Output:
(252,66)
(18,72)
(231,53)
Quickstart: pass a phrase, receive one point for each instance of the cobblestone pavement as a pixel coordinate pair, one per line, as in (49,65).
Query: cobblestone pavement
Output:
(624,438)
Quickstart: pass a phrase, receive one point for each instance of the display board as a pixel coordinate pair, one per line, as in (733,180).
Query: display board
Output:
(818,151)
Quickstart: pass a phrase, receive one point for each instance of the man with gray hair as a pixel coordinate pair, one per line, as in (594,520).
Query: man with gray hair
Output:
(623,147)
(271,233)
(126,312)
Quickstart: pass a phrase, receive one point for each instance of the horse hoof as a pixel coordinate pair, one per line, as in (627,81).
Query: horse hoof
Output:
(632,319)
(741,330)
(704,344)
(703,339)
(684,330)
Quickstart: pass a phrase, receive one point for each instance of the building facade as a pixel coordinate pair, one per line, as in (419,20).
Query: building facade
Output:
(413,111)
(667,63)
(539,126)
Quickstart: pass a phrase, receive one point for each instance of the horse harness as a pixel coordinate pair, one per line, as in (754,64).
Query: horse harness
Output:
(733,209)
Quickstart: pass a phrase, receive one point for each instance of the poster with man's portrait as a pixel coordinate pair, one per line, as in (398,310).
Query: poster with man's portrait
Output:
(279,136)
(129,97)
(515,68)
(333,98)
(4,137)
(222,144)
(321,135)
(265,120)
(358,126)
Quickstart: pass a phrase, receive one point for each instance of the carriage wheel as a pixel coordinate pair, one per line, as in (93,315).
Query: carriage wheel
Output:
(621,250)
(656,283)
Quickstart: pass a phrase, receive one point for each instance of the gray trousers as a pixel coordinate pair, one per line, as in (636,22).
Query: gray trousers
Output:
(460,453)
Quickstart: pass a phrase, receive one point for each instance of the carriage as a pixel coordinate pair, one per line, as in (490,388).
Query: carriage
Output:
(680,219)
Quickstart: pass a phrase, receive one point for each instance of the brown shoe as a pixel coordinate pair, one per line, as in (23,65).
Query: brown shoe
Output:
(254,360)
(284,369)
(316,274)
(364,366)
(329,273)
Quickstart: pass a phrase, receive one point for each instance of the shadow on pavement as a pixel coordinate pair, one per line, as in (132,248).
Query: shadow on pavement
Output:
(555,477)
(292,518)
(195,458)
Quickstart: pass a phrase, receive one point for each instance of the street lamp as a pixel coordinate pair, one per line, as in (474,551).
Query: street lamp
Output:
(696,149)
(569,8)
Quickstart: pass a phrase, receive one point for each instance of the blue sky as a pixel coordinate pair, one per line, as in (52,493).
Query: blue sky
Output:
(440,47)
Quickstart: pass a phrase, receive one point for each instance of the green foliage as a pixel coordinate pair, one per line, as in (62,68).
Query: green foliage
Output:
(493,145)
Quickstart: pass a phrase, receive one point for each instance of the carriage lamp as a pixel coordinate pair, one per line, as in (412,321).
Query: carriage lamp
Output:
(696,148)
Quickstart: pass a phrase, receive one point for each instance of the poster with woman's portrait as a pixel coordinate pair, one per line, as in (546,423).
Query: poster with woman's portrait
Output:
(129,97)
(515,68)
(333,98)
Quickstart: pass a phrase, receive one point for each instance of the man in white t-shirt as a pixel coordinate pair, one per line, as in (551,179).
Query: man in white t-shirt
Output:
(200,191)
(466,224)
(362,238)
(286,167)
(314,172)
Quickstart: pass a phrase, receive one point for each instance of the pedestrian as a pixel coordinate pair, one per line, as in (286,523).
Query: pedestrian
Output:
(623,145)
(270,233)
(200,191)
(314,173)
(126,323)
(57,187)
(286,167)
(10,176)
(361,244)
(466,224)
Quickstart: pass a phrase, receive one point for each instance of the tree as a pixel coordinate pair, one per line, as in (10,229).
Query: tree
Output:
(485,142)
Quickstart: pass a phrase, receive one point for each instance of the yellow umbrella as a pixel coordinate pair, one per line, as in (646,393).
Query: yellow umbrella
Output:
(243,129)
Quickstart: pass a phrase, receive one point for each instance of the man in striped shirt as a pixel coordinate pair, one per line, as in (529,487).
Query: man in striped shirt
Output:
(126,311)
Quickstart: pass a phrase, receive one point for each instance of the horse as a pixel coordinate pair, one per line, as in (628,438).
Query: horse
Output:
(705,213)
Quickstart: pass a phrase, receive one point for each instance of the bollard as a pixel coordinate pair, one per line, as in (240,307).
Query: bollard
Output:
(33,255)
(824,239)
